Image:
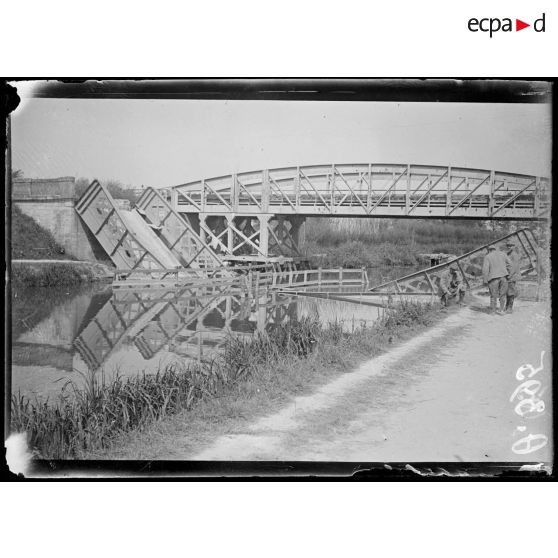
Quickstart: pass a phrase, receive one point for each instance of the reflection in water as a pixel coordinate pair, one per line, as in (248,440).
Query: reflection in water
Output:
(95,328)
(191,323)
(45,322)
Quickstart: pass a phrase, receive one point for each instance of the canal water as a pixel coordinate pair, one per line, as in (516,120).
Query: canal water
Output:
(63,334)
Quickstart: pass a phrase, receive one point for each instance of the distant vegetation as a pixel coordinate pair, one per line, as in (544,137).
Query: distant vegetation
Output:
(116,189)
(82,420)
(375,242)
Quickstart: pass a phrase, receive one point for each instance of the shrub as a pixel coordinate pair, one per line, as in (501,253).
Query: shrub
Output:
(47,275)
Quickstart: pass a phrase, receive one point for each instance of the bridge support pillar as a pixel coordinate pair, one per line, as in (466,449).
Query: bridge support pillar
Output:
(230,234)
(264,234)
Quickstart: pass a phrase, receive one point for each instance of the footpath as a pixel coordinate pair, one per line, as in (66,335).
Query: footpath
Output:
(442,396)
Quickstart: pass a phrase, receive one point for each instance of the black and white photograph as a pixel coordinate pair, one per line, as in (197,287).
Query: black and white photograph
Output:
(334,274)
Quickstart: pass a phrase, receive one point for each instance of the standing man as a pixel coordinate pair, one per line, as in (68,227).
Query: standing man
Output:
(451,285)
(514,274)
(494,271)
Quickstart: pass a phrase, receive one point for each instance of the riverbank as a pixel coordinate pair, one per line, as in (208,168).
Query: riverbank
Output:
(38,260)
(122,419)
(51,273)
(449,395)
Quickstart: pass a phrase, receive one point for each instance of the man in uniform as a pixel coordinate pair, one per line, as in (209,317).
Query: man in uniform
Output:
(494,271)
(514,274)
(451,285)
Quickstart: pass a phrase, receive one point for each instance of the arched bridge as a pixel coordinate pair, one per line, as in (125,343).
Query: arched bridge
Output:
(258,216)
(370,190)
(261,212)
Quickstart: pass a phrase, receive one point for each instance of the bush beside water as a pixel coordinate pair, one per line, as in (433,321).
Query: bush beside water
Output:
(87,418)
(379,242)
(49,275)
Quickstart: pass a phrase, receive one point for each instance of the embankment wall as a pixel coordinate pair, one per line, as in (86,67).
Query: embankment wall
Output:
(51,203)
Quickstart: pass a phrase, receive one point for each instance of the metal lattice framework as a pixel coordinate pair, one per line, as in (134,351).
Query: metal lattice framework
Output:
(386,190)
(107,222)
(150,236)
(259,214)
(241,236)
(176,232)
(470,266)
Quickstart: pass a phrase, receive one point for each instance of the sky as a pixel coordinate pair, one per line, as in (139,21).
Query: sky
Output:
(167,142)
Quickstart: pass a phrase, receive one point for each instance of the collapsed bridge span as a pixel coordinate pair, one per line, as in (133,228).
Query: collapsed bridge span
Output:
(149,236)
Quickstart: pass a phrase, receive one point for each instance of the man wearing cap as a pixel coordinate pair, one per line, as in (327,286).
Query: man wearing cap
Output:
(494,271)
(451,285)
(514,274)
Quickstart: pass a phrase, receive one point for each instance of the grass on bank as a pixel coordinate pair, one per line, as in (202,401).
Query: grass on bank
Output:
(30,241)
(85,420)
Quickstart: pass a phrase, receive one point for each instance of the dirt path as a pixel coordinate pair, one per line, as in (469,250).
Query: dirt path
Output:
(442,396)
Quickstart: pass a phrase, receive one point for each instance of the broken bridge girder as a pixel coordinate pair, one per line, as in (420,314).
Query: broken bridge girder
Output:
(123,234)
(150,236)
(176,231)
(426,281)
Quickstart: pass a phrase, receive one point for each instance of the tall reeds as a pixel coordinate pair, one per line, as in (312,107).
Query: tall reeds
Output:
(87,417)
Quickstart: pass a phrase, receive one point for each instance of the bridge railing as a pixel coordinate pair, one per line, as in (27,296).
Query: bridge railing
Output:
(249,278)
(340,277)
(370,189)
(165,278)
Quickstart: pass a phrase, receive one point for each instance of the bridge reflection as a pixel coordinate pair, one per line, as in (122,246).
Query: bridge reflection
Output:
(192,322)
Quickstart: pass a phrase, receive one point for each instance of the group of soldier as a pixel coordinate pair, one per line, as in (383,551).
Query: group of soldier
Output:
(500,272)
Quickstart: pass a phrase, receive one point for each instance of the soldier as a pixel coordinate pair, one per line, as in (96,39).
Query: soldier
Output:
(494,271)
(451,286)
(514,274)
